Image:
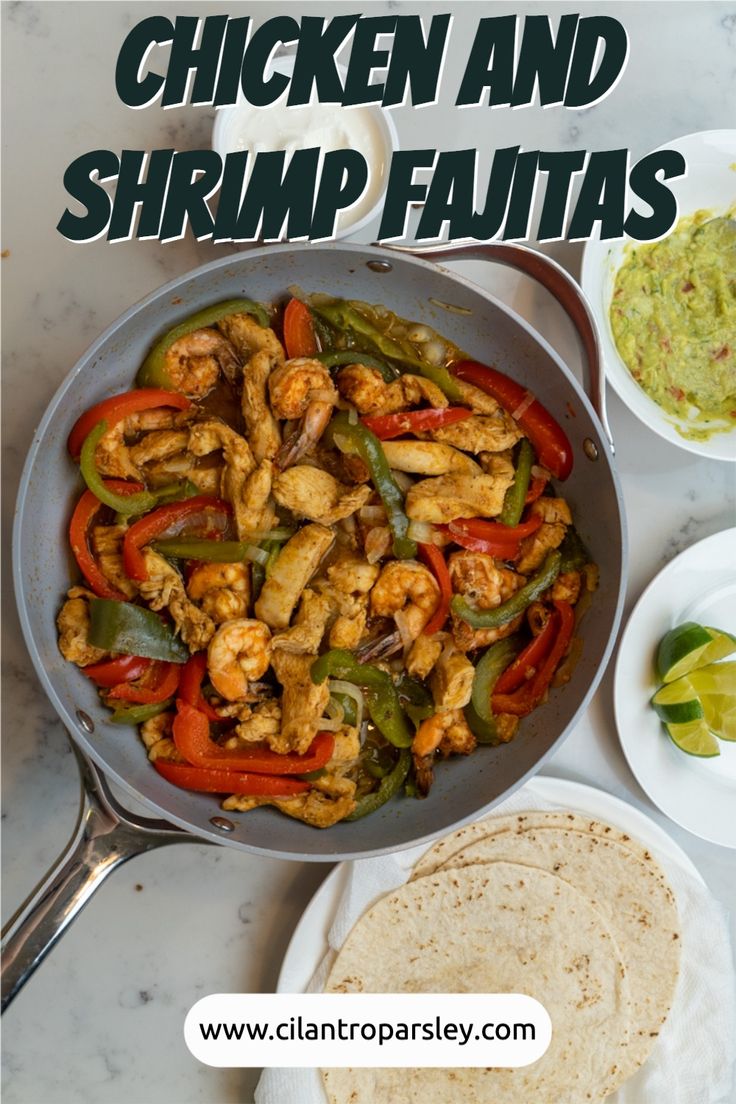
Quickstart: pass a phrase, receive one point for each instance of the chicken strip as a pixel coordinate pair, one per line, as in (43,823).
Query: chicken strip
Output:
(330,800)
(164,589)
(261,426)
(428,458)
(459,496)
(107,545)
(73,625)
(368,391)
(305,635)
(312,493)
(481,433)
(556,517)
(247,496)
(302,704)
(451,681)
(297,562)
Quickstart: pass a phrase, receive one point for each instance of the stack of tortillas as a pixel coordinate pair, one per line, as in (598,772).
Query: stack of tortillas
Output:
(565,909)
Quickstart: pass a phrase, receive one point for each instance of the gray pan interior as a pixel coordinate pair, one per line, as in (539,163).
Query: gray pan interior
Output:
(491,332)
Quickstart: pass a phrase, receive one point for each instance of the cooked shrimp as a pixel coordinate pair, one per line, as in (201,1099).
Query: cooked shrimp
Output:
(566,587)
(222,590)
(239,652)
(73,626)
(302,388)
(408,592)
(446,733)
(556,516)
(478,578)
(248,337)
(368,391)
(194,362)
(114,456)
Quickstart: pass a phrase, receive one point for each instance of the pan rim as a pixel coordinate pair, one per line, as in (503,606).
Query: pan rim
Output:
(327,854)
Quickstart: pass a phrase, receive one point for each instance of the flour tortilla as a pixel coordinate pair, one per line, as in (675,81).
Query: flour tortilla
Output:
(500,927)
(438,854)
(636,904)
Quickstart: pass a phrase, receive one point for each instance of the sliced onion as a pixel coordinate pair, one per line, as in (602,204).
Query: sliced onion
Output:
(257,555)
(523,406)
(403,481)
(377,543)
(539,473)
(420,333)
(435,351)
(352,416)
(296,292)
(339,686)
(281,533)
(421,531)
(335,711)
(329,724)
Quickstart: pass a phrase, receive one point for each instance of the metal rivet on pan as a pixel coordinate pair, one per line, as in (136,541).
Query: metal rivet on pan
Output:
(85,721)
(380,266)
(223,824)
(590,449)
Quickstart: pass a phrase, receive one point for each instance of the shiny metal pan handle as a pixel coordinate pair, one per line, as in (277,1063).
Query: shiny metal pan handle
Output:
(106,835)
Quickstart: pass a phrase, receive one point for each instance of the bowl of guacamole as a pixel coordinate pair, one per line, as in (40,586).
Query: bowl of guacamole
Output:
(666,310)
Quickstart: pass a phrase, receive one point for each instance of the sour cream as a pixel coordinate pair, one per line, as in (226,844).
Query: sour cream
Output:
(369,130)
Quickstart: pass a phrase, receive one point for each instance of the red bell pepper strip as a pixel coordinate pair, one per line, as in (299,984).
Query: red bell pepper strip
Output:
(431,555)
(84,512)
(111,672)
(529,696)
(192,738)
(190,686)
(299,336)
(156,686)
(386,426)
(117,407)
(550,441)
(528,661)
(158,521)
(493,530)
(537,485)
(502,550)
(228,781)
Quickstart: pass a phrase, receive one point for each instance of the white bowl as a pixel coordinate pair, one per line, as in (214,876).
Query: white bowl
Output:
(359,216)
(710,183)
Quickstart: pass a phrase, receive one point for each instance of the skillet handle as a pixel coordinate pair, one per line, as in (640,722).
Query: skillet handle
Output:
(106,835)
(555,279)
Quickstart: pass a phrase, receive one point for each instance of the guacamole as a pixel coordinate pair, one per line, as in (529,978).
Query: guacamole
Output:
(673,317)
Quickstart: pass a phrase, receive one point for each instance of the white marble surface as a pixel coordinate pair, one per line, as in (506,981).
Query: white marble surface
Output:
(103,1017)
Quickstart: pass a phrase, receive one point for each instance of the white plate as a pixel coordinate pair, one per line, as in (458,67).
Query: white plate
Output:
(710,183)
(699,794)
(309,942)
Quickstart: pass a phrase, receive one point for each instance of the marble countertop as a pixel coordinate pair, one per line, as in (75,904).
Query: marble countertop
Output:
(102,1019)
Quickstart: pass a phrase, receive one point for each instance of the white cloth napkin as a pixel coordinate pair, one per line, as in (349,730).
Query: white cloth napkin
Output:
(693,1058)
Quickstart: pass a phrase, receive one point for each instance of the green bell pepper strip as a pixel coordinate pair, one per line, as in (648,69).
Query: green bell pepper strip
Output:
(490,667)
(348,706)
(513,503)
(370,450)
(415,699)
(574,552)
(345,318)
(516,604)
(353,356)
(381,696)
(152,372)
(133,630)
(389,787)
(137,714)
(172,492)
(208,551)
(139,503)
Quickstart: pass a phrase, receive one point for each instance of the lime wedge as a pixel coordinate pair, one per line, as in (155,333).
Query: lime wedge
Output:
(694,738)
(716,678)
(720,715)
(690,646)
(677,703)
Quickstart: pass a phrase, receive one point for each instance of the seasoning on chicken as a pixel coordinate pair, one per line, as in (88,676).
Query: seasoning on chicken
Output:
(164,589)
(73,625)
(428,458)
(313,493)
(297,562)
(302,704)
(369,393)
(556,517)
(448,497)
